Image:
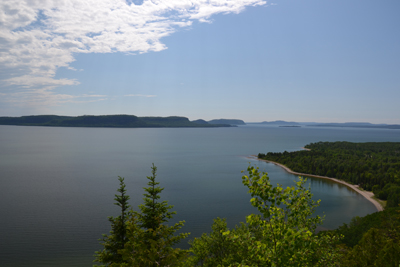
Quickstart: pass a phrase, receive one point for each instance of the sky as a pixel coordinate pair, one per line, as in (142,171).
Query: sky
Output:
(255,60)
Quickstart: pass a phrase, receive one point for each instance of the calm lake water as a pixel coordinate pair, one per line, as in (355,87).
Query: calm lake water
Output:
(57,184)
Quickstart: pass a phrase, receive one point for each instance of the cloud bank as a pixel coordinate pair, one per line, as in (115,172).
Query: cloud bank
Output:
(39,36)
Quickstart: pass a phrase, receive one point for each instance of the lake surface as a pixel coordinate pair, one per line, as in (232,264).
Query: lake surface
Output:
(57,184)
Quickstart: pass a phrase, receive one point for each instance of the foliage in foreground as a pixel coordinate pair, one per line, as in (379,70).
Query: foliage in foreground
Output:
(148,240)
(151,241)
(281,234)
(354,231)
(379,246)
(376,248)
(117,238)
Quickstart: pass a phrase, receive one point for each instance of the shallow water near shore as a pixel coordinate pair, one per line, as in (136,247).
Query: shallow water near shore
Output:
(58,184)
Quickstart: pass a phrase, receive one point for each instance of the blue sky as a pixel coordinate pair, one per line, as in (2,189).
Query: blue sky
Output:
(296,60)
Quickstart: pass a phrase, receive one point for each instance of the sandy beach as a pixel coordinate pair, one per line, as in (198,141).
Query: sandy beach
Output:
(368,195)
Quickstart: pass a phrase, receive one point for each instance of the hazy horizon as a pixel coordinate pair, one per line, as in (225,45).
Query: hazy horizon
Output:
(228,118)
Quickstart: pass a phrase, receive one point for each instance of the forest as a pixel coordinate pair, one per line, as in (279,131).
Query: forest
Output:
(281,233)
(374,166)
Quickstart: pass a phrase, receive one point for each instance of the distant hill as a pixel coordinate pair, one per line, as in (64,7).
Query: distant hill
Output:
(121,121)
(200,121)
(227,121)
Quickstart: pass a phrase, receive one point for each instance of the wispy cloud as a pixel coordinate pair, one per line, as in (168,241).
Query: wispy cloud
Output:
(141,95)
(46,97)
(39,36)
(33,81)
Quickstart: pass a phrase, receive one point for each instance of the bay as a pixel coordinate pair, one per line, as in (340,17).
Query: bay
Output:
(57,184)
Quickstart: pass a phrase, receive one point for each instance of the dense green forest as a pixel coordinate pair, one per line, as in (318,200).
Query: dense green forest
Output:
(282,233)
(373,166)
(121,121)
(373,240)
(353,232)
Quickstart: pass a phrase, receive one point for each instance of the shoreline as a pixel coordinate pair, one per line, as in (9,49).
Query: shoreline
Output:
(368,195)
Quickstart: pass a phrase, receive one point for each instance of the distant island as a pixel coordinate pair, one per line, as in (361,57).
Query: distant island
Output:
(227,121)
(357,125)
(117,121)
(282,123)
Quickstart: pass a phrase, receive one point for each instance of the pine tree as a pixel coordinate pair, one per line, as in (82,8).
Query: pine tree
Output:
(154,213)
(117,238)
(150,239)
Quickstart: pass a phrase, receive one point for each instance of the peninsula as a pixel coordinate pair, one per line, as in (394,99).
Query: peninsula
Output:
(368,195)
(372,166)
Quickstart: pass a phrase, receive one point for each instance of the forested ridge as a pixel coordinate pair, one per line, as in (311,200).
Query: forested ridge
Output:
(119,121)
(374,166)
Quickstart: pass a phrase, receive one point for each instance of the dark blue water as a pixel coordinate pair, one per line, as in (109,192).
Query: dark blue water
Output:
(57,184)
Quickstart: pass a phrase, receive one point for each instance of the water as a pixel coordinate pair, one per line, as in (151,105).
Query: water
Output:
(58,184)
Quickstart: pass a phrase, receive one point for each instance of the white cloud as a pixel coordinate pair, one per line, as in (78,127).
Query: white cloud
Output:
(39,36)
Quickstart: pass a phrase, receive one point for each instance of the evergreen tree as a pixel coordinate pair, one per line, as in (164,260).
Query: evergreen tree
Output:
(150,239)
(117,238)
(153,212)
